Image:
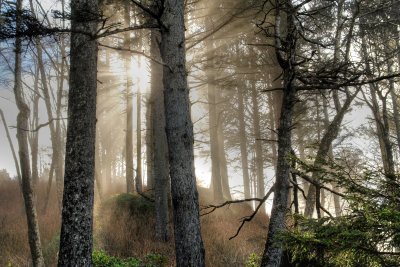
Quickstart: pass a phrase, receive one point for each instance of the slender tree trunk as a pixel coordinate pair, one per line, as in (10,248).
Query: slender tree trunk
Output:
(223,165)
(55,140)
(213,123)
(17,169)
(139,183)
(150,142)
(161,167)
(129,172)
(273,248)
(243,144)
(258,143)
(22,137)
(188,242)
(323,151)
(48,189)
(34,135)
(76,238)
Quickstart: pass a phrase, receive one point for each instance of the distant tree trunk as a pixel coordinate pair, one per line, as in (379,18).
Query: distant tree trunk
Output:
(395,98)
(258,143)
(273,248)
(76,238)
(22,137)
(323,151)
(129,171)
(212,88)
(139,183)
(150,142)
(48,188)
(161,168)
(188,242)
(34,135)
(243,144)
(55,139)
(380,115)
(17,169)
(223,165)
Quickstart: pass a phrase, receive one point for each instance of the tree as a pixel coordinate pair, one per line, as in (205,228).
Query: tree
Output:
(159,142)
(286,54)
(22,137)
(179,129)
(77,215)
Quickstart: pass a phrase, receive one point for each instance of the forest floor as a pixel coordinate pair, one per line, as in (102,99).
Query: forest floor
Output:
(124,227)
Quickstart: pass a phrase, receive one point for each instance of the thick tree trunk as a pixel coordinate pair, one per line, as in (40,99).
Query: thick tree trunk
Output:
(188,242)
(243,144)
(76,237)
(22,137)
(161,167)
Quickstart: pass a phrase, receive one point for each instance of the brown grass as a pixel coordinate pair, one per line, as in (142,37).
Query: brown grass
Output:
(128,232)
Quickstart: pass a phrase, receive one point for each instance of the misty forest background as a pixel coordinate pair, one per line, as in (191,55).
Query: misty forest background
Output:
(200,133)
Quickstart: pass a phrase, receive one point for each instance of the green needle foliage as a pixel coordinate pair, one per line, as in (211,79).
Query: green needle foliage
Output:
(368,234)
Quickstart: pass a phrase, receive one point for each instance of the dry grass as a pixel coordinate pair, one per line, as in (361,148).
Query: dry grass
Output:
(14,246)
(125,230)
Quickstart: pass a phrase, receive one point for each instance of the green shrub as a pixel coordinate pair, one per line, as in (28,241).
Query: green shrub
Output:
(102,259)
(254,260)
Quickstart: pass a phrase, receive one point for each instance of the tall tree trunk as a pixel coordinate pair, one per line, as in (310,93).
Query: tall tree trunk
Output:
(273,248)
(76,239)
(34,135)
(258,143)
(188,242)
(223,165)
(139,183)
(150,142)
(161,168)
(22,137)
(212,88)
(243,144)
(55,139)
(129,172)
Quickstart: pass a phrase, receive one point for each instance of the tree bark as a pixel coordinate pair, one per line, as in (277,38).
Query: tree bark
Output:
(22,137)
(161,167)
(188,242)
(273,248)
(76,238)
